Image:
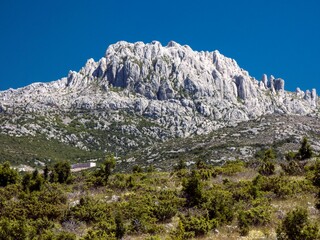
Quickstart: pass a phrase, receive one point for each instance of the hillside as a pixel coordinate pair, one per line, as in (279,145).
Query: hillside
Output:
(258,200)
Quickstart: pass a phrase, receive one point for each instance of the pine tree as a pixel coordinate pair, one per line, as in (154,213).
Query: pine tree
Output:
(305,150)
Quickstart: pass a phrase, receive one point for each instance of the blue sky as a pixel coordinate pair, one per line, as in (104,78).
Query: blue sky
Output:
(42,40)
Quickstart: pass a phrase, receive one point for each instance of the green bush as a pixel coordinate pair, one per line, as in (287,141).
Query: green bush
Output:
(259,214)
(180,233)
(90,210)
(192,189)
(32,182)
(137,169)
(7,175)
(102,175)
(220,206)
(180,165)
(266,168)
(290,156)
(305,151)
(232,167)
(244,191)
(197,225)
(15,230)
(61,172)
(283,186)
(316,177)
(120,228)
(296,225)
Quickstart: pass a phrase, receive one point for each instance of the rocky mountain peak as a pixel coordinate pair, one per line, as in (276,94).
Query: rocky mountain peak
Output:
(185,90)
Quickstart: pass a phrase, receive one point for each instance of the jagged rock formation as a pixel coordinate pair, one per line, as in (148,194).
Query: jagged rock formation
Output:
(180,89)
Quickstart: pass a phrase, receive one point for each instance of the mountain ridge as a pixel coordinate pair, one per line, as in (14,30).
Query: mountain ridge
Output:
(140,94)
(173,72)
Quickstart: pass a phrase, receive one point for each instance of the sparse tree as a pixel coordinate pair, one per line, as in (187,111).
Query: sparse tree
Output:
(61,172)
(7,175)
(120,228)
(267,166)
(305,150)
(181,165)
(107,168)
(46,173)
(192,188)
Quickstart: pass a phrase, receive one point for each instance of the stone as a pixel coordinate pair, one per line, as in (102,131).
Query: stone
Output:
(279,84)
(271,83)
(265,80)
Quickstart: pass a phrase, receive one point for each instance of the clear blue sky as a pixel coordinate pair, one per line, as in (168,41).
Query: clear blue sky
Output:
(41,41)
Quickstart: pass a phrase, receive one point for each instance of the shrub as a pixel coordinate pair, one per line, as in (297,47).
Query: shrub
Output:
(180,233)
(61,172)
(181,165)
(15,230)
(244,190)
(305,150)
(293,167)
(120,228)
(192,189)
(220,206)
(296,225)
(259,214)
(232,167)
(32,182)
(137,169)
(198,226)
(7,175)
(66,236)
(90,210)
(290,156)
(207,173)
(316,177)
(108,166)
(266,168)
(201,164)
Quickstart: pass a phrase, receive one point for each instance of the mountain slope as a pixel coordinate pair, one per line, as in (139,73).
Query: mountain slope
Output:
(140,94)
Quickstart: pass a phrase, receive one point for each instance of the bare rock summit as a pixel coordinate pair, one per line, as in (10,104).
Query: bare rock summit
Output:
(182,90)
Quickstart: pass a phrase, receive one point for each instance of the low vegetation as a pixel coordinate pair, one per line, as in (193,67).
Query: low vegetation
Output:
(237,199)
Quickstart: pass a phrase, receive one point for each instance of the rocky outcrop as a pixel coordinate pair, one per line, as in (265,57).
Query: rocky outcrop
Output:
(279,84)
(184,90)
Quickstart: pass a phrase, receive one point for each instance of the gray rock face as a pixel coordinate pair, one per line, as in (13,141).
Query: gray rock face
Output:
(265,80)
(279,84)
(271,83)
(180,89)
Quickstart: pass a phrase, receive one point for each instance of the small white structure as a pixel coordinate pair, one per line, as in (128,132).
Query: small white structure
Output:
(81,166)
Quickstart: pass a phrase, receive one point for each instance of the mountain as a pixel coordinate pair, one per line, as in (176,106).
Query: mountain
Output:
(141,94)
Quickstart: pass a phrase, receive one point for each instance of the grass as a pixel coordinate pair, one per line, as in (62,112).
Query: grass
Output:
(25,150)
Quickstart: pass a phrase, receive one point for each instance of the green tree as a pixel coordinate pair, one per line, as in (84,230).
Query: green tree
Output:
(106,168)
(316,177)
(7,175)
(46,173)
(316,182)
(120,228)
(181,165)
(305,150)
(267,166)
(192,188)
(61,172)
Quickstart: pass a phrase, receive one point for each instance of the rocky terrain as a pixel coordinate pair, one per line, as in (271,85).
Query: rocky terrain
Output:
(139,95)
